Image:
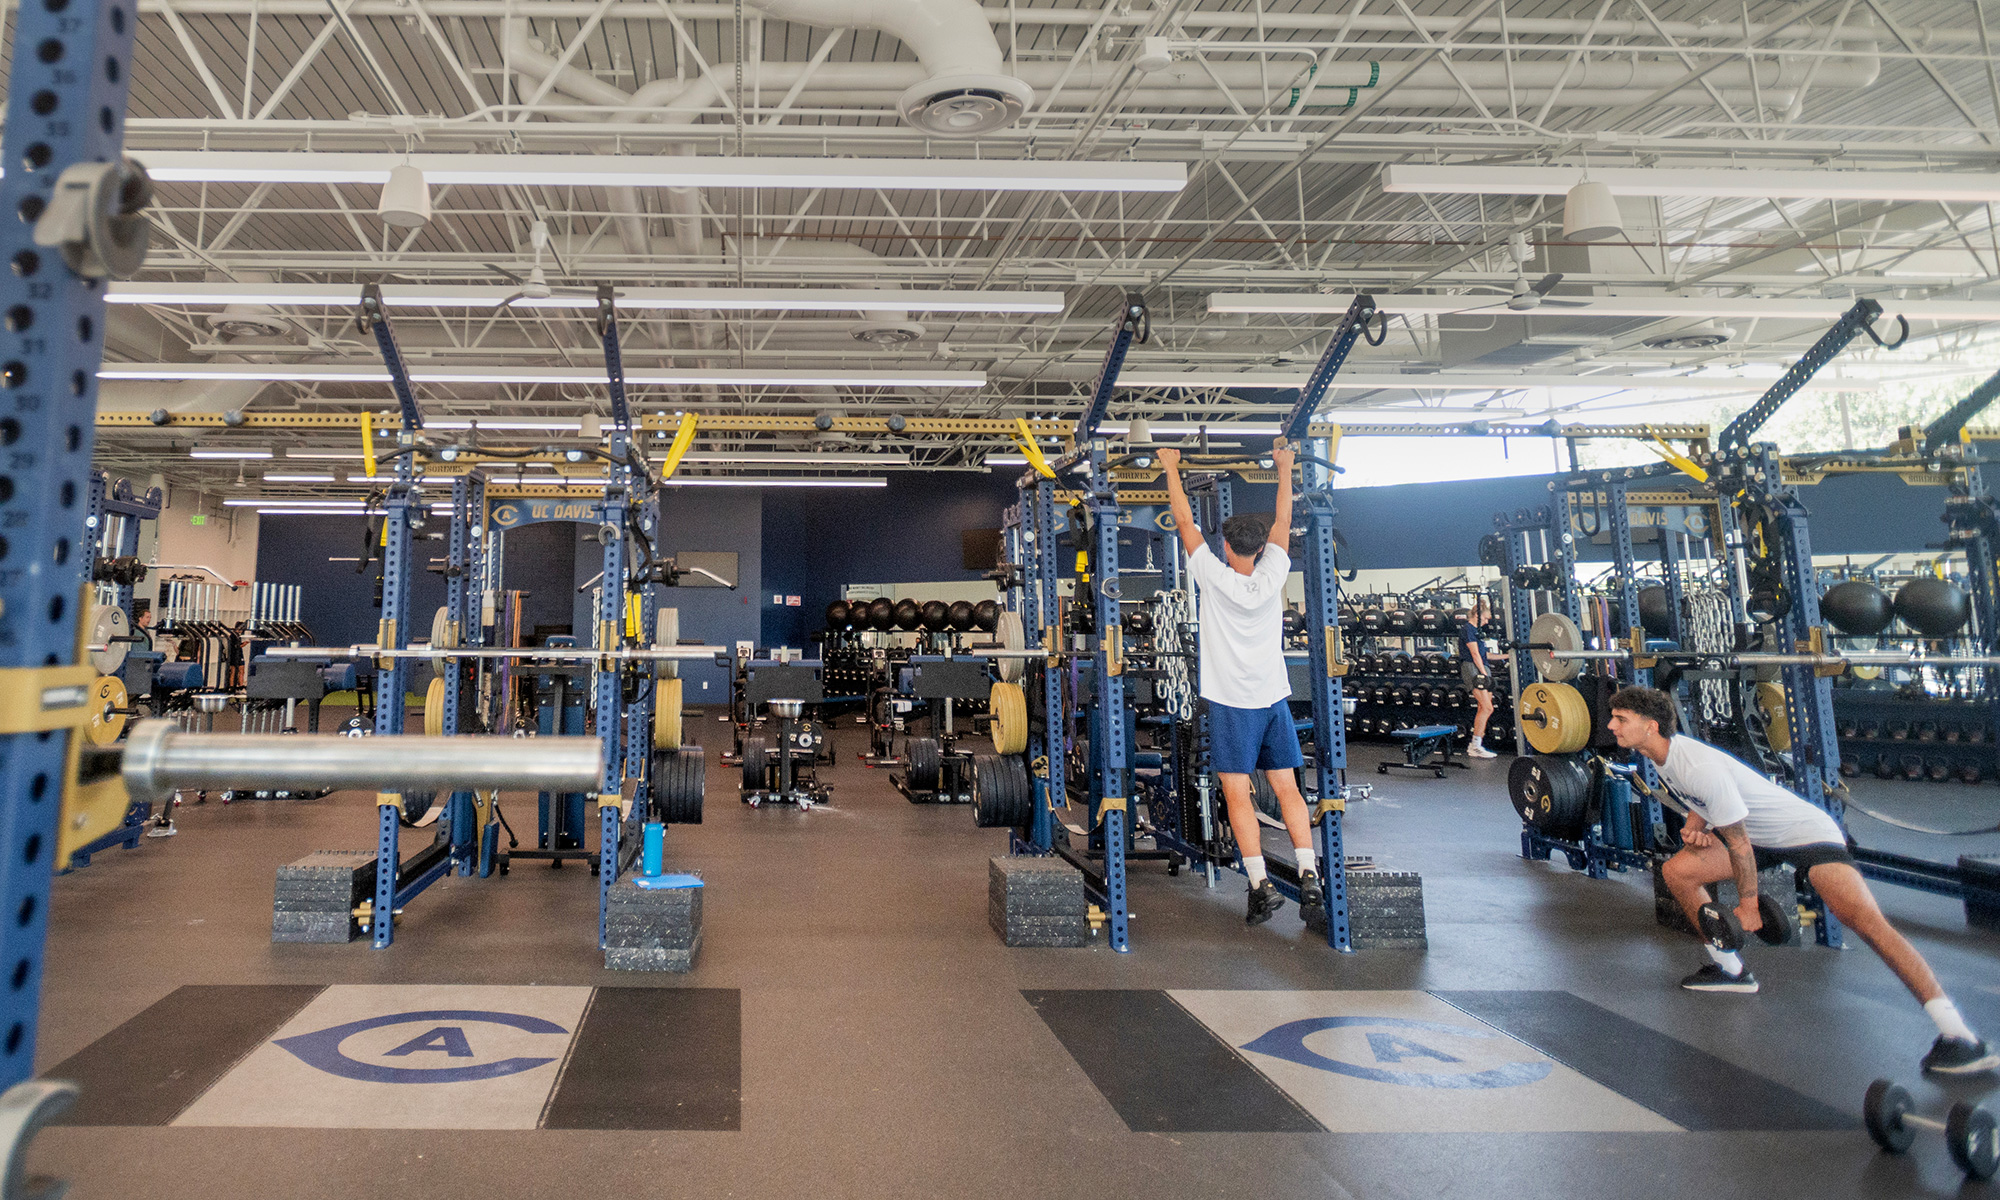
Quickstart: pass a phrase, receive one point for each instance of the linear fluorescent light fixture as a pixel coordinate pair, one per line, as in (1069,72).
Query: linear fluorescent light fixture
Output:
(801,459)
(749,481)
(395,295)
(1484,382)
(336,454)
(664,171)
(1695,308)
(287,478)
(1726,183)
(358,373)
(229,452)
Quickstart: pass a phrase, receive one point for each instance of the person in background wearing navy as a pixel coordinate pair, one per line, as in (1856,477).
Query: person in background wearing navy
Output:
(1738,823)
(1243,677)
(1477,675)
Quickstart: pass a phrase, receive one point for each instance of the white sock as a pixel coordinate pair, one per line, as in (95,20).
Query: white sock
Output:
(1728,960)
(1254,868)
(1308,859)
(1944,1014)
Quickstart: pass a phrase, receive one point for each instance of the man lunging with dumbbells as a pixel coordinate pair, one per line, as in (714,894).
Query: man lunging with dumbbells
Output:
(1739,822)
(1243,678)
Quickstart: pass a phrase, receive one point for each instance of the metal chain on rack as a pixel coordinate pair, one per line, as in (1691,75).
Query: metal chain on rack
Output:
(1709,630)
(1174,633)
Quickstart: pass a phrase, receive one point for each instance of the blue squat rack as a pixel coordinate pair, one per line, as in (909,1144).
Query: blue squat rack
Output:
(1031,537)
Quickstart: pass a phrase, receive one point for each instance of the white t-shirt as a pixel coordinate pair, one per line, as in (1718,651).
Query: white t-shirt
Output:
(1725,790)
(1242,629)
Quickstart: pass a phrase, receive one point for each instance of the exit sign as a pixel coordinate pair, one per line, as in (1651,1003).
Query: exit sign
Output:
(198,519)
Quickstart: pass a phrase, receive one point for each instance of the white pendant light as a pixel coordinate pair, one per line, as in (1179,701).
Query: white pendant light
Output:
(406,199)
(1590,214)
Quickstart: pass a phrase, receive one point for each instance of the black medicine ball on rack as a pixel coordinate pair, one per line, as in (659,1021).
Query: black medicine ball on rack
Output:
(881,613)
(1655,613)
(1857,608)
(908,614)
(1933,607)
(936,615)
(837,615)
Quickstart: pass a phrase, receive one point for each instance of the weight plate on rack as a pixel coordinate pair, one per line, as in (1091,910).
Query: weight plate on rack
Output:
(1556,632)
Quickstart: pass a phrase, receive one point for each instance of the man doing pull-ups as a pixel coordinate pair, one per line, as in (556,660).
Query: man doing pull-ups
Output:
(1243,678)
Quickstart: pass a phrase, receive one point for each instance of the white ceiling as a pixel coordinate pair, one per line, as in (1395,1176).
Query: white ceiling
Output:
(1281,197)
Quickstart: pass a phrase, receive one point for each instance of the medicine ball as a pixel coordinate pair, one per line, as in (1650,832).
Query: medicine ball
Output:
(936,615)
(1857,608)
(1293,620)
(1933,607)
(960,615)
(881,613)
(1138,622)
(1432,622)
(1654,615)
(1397,622)
(986,615)
(1370,620)
(908,614)
(836,615)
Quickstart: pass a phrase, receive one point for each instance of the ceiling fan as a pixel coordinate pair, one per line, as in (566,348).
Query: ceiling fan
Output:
(535,285)
(1528,296)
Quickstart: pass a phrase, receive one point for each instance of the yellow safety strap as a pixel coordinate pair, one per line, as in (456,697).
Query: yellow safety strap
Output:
(1682,462)
(683,438)
(1025,438)
(1332,443)
(632,615)
(368,443)
(1329,804)
(1111,804)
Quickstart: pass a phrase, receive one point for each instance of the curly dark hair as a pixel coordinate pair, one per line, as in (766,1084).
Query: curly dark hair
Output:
(1246,533)
(1650,703)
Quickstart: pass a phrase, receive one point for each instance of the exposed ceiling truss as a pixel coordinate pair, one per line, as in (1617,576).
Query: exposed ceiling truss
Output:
(1284,114)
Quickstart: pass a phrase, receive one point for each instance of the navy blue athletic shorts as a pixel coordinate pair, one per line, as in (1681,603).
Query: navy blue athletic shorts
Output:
(1242,740)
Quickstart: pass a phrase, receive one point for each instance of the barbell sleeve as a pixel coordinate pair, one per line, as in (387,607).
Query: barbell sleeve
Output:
(160,759)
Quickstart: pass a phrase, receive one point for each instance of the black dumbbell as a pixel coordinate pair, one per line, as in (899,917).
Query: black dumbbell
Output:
(1970,1132)
(1724,932)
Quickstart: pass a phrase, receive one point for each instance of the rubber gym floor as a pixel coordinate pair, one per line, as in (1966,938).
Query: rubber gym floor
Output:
(853,1027)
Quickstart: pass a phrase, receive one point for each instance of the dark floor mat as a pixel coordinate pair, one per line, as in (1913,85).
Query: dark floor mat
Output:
(1689,1087)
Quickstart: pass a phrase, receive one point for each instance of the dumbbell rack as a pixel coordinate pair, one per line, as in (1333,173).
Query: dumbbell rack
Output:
(1397,690)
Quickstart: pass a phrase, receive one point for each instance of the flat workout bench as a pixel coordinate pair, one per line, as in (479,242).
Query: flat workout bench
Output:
(1419,743)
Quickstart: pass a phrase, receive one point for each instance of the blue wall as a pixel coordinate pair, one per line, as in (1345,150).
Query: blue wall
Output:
(817,541)
(714,519)
(334,602)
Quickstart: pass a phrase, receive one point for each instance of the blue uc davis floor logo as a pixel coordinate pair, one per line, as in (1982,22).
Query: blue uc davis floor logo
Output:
(439,1036)
(1397,1040)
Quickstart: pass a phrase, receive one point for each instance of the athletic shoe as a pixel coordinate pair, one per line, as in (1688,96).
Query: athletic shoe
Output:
(1712,978)
(1264,903)
(1311,893)
(1476,750)
(1956,1056)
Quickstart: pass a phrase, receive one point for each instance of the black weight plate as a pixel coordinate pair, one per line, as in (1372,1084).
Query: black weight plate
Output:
(415,805)
(926,762)
(1973,1137)
(694,782)
(1552,793)
(1882,1112)
(1021,789)
(756,760)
